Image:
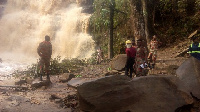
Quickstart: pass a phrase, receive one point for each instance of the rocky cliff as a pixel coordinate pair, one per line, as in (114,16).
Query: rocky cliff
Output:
(87,5)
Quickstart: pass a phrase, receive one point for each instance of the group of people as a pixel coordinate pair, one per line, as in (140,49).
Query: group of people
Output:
(138,59)
(136,56)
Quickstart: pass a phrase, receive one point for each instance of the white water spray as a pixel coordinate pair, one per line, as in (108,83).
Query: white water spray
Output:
(24,23)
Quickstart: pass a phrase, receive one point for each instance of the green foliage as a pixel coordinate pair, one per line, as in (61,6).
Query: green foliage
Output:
(100,23)
(56,67)
(176,19)
(173,20)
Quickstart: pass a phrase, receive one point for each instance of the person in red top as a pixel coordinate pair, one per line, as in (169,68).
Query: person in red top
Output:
(44,50)
(131,52)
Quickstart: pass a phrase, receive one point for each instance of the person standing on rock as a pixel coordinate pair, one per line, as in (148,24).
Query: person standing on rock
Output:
(44,50)
(194,48)
(141,58)
(153,50)
(130,52)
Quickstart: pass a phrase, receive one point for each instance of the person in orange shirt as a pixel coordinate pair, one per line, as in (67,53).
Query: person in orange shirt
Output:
(154,44)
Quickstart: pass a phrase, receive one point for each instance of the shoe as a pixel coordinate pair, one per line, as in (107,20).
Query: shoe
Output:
(153,66)
(40,77)
(48,78)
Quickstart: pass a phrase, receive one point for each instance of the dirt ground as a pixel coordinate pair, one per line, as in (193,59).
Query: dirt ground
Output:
(13,100)
(55,98)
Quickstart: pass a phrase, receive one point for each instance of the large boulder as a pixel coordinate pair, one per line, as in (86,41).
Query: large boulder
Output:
(3,2)
(118,62)
(121,94)
(189,74)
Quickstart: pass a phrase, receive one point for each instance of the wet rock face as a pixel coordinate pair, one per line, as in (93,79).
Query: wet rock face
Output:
(120,94)
(189,75)
(87,5)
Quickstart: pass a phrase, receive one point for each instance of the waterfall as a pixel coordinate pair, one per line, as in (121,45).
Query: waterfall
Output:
(24,24)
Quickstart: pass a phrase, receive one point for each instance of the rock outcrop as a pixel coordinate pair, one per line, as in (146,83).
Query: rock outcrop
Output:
(121,94)
(3,2)
(87,5)
(118,62)
(189,74)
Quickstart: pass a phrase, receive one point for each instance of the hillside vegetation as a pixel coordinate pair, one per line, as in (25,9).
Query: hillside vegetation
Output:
(172,20)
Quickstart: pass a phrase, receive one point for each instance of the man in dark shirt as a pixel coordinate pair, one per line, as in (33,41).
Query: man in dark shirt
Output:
(131,52)
(44,50)
(194,48)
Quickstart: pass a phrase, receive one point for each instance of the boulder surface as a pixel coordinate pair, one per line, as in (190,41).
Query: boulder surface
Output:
(120,94)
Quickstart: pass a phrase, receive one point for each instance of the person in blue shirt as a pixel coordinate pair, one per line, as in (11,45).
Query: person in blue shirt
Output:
(194,48)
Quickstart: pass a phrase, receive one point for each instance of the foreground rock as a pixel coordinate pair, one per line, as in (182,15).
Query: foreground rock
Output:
(38,84)
(189,74)
(118,62)
(142,94)
(66,77)
(75,82)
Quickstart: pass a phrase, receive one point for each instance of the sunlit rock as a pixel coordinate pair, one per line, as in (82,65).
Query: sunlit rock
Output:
(121,94)
(189,74)
(118,62)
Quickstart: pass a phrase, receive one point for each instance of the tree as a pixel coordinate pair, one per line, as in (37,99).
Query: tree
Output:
(148,12)
(110,45)
(110,17)
(142,17)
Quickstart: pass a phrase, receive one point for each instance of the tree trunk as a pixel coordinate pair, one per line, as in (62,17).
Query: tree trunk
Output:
(143,16)
(138,20)
(148,10)
(110,45)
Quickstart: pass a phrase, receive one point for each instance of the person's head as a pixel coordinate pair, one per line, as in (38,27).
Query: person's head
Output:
(47,38)
(139,42)
(128,44)
(195,36)
(195,39)
(133,42)
(154,37)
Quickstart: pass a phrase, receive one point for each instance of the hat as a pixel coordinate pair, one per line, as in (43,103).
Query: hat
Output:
(128,42)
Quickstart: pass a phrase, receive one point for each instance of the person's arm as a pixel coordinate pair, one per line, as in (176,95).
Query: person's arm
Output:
(38,50)
(145,55)
(50,49)
(128,55)
(150,45)
(190,49)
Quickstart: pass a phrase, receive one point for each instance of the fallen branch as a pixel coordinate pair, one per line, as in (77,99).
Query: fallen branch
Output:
(181,53)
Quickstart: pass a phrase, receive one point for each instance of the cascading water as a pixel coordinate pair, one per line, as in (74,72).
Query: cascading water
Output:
(24,23)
